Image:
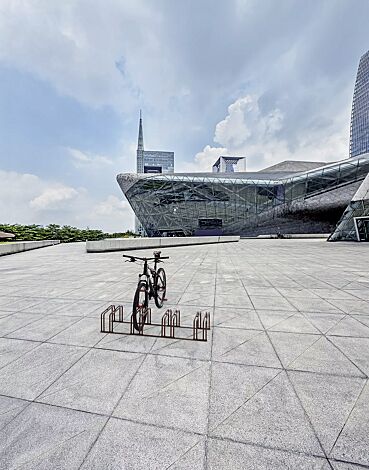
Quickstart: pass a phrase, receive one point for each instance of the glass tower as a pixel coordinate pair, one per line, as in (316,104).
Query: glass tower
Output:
(359,130)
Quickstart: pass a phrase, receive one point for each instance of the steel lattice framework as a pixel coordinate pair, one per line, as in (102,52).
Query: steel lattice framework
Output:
(244,205)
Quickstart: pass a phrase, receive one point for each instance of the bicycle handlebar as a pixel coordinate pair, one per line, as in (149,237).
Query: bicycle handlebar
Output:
(132,259)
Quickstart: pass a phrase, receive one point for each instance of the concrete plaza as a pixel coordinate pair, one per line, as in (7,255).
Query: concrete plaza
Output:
(282,382)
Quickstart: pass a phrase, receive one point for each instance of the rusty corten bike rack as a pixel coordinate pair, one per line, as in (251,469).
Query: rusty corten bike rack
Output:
(170,323)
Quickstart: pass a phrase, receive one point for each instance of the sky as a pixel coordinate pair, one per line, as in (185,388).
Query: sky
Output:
(266,79)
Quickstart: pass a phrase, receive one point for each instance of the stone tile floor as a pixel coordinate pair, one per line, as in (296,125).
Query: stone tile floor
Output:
(282,382)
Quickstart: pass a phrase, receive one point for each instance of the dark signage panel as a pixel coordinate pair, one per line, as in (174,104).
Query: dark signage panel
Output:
(210,223)
(152,169)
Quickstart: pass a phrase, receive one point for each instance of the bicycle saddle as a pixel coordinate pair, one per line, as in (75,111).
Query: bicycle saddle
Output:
(157,254)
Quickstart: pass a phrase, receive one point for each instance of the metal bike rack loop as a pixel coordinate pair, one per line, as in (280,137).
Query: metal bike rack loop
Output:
(170,324)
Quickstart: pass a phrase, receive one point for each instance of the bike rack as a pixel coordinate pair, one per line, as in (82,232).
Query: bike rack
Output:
(170,325)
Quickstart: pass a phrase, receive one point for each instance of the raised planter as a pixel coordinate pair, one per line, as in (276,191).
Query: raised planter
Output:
(17,247)
(122,244)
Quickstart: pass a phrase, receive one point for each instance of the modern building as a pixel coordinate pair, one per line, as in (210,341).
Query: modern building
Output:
(359,130)
(290,197)
(226,164)
(152,161)
(249,204)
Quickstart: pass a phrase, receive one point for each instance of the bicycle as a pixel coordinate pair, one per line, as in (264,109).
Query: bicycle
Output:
(152,283)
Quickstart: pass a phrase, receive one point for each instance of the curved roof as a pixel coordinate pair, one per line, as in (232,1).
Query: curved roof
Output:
(127,180)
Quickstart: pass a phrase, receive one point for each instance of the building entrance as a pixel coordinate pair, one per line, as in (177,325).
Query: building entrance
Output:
(362,228)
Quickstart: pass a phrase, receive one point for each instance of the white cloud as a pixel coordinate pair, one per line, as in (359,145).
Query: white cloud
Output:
(203,160)
(112,206)
(28,199)
(53,197)
(247,131)
(86,159)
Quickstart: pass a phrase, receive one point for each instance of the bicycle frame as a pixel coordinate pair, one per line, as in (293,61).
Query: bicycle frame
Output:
(150,275)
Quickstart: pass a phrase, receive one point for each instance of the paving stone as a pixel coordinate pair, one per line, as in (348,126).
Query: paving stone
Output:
(49,307)
(197,298)
(33,372)
(19,304)
(232,385)
(314,305)
(83,332)
(43,329)
(233,300)
(193,459)
(45,437)
(324,357)
(95,383)
(328,401)
(297,292)
(323,321)
(226,455)
(256,351)
(345,466)
(356,349)
(353,442)
(295,324)
(5,300)
(359,293)
(263,291)
(79,308)
(9,409)
(128,343)
(168,391)
(352,306)
(13,322)
(128,445)
(12,349)
(332,294)
(349,326)
(272,318)
(186,349)
(237,318)
(272,418)
(290,346)
(272,303)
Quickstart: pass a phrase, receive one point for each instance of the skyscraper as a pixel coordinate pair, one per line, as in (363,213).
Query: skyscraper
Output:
(151,161)
(359,130)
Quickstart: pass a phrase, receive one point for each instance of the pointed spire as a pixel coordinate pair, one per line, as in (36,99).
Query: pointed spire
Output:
(140,144)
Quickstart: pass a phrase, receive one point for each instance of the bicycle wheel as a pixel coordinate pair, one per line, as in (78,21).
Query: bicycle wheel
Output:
(160,287)
(140,301)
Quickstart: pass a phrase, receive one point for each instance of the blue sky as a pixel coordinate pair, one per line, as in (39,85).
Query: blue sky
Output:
(265,79)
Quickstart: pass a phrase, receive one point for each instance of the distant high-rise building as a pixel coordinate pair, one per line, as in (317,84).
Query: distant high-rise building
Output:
(152,161)
(359,130)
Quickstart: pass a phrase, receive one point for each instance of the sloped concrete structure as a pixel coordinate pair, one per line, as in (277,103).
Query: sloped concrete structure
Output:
(354,223)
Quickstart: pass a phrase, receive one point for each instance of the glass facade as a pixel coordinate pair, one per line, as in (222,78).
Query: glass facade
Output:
(234,204)
(156,161)
(359,131)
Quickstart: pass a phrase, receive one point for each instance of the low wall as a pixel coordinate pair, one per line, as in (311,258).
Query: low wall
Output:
(294,235)
(18,247)
(121,244)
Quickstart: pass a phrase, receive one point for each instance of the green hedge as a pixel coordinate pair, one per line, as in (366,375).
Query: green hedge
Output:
(65,233)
